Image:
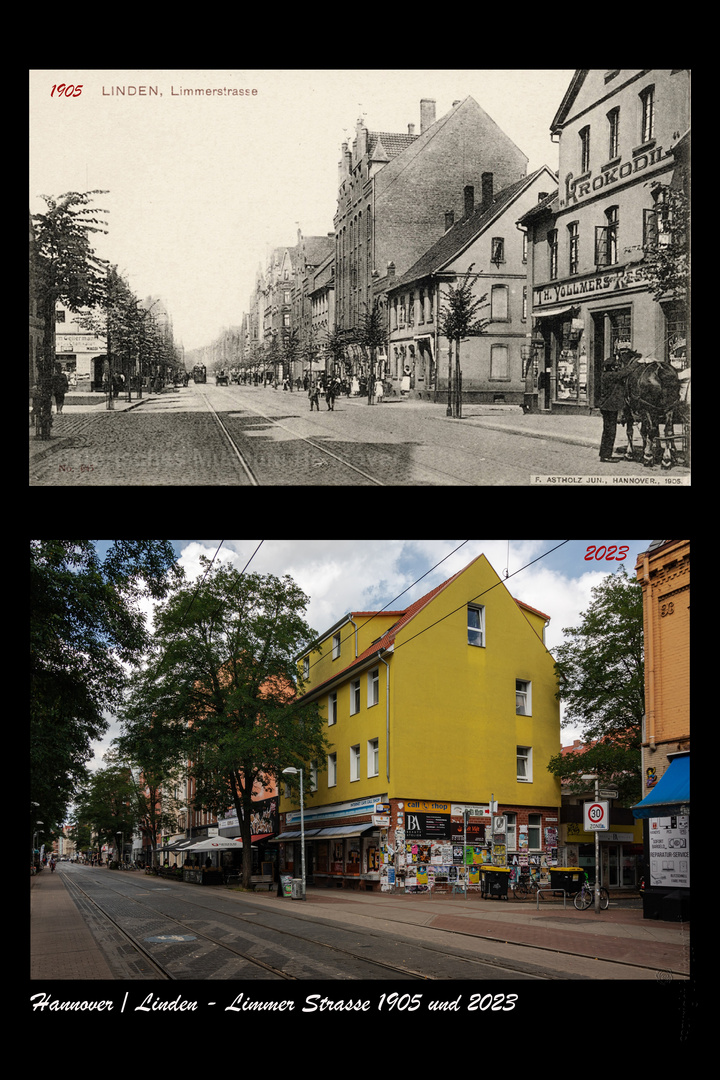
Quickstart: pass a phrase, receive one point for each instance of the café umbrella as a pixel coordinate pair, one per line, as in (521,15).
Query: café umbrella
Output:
(212,843)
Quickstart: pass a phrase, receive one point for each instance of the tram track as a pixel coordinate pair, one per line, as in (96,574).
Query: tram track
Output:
(248,471)
(254,919)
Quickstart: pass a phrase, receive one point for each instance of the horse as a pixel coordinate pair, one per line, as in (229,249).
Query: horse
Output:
(652,394)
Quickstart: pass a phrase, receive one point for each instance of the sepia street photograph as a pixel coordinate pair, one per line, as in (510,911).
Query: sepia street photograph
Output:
(360,277)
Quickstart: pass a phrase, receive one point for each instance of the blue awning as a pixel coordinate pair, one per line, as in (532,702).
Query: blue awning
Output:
(671,793)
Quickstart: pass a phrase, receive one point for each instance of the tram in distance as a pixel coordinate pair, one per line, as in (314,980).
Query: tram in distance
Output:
(199,373)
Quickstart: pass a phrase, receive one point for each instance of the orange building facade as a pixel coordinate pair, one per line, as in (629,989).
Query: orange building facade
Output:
(664,574)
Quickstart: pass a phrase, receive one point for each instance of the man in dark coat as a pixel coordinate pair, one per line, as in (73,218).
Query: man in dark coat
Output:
(612,401)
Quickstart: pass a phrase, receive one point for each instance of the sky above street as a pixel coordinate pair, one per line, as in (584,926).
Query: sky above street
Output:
(340,576)
(201,187)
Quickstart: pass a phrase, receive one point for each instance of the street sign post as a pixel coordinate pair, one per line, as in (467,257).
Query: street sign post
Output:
(597,816)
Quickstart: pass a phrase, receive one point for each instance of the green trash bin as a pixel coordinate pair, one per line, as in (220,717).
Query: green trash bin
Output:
(495,882)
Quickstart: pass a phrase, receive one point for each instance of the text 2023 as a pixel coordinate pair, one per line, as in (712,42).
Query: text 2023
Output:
(67,91)
(594,552)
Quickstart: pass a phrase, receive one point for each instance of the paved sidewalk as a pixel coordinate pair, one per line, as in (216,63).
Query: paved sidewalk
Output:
(61,944)
(620,934)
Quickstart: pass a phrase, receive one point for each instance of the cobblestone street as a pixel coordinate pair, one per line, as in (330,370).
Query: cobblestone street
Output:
(207,435)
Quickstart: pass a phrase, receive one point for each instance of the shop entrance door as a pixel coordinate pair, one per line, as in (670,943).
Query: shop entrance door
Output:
(610,865)
(611,330)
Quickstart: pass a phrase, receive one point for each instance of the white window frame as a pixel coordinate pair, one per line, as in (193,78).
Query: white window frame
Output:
(306,667)
(332,708)
(524,754)
(313,775)
(336,647)
(511,832)
(373,757)
(355,763)
(531,828)
(332,770)
(373,687)
(476,630)
(525,694)
(354,697)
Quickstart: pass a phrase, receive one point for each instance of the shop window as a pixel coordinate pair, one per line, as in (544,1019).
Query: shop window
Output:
(373,757)
(523,700)
(355,762)
(535,832)
(354,697)
(476,626)
(524,764)
(332,770)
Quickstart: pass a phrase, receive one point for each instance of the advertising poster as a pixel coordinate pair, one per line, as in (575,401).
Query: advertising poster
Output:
(670,852)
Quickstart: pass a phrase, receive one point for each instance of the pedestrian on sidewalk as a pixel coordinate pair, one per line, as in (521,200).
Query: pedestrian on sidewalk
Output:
(612,403)
(60,387)
(313,394)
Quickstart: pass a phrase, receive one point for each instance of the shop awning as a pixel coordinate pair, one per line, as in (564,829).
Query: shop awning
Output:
(340,832)
(550,313)
(671,794)
(294,835)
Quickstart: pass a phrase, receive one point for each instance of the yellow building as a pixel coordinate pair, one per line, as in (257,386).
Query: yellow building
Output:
(442,718)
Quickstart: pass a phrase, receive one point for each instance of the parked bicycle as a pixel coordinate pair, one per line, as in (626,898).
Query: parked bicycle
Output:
(586,897)
(525,886)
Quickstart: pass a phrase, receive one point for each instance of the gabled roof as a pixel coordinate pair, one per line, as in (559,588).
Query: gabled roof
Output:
(570,94)
(387,640)
(463,232)
(386,145)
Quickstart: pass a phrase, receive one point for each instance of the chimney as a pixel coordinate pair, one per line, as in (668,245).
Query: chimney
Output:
(469,199)
(427,114)
(487,189)
(411,129)
(449,219)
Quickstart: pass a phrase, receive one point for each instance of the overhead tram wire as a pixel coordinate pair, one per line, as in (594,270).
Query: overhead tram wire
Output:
(376,613)
(483,593)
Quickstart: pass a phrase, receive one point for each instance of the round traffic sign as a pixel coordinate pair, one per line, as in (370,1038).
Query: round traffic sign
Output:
(596,812)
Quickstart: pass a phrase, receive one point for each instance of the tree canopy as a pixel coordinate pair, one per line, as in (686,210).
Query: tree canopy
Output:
(223,683)
(600,670)
(86,625)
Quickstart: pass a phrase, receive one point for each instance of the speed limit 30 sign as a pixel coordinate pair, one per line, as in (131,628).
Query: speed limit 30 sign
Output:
(597,816)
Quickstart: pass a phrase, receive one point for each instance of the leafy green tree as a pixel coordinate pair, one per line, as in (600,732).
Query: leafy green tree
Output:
(86,625)
(153,751)
(457,321)
(601,678)
(224,678)
(107,805)
(371,336)
(67,269)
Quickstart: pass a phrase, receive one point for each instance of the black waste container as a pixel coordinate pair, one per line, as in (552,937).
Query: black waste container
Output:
(495,882)
(569,878)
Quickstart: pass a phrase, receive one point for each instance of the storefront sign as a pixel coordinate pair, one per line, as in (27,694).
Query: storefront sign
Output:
(575,190)
(427,826)
(670,851)
(631,277)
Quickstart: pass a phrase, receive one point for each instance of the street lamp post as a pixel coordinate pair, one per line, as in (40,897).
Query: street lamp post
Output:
(294,771)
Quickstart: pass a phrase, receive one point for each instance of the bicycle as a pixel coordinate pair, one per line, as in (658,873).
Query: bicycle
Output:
(525,886)
(586,897)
